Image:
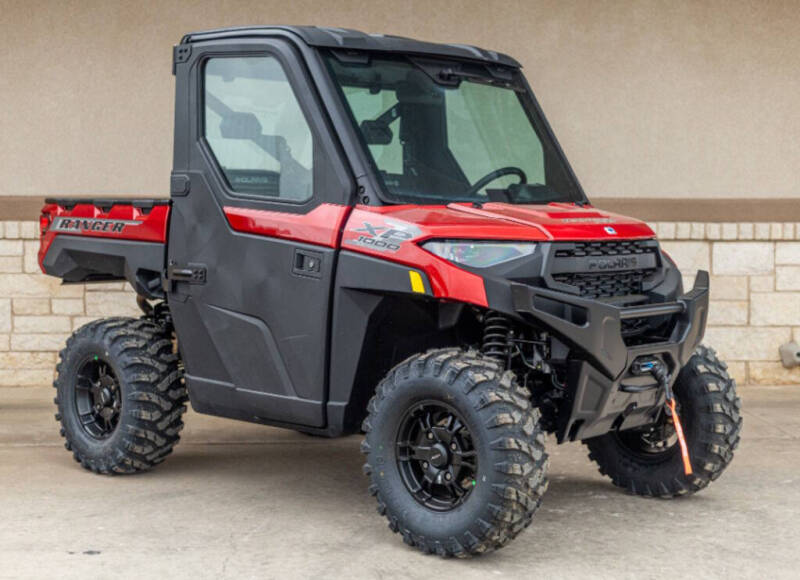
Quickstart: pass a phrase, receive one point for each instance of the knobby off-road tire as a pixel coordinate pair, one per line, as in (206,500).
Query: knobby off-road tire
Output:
(510,475)
(145,389)
(710,415)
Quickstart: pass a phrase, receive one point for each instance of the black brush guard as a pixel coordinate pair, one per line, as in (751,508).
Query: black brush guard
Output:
(606,394)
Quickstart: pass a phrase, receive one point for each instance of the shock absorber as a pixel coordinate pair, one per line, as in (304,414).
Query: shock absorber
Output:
(496,336)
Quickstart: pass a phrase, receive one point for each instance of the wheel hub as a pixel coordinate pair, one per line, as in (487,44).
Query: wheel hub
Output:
(97,398)
(652,440)
(436,456)
(439,455)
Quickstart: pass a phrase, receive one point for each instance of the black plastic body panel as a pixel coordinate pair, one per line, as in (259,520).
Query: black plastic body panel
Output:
(362,272)
(599,398)
(362,285)
(346,39)
(95,259)
(108,202)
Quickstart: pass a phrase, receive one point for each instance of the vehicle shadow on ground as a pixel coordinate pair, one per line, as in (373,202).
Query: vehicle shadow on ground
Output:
(325,478)
(302,466)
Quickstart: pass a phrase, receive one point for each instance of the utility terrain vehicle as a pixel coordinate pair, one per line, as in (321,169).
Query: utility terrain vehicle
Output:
(371,233)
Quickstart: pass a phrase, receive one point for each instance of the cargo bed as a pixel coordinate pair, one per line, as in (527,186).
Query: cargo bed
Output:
(105,239)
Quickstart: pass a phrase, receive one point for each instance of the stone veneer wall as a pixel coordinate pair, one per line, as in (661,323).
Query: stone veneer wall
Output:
(37,312)
(755,290)
(755,298)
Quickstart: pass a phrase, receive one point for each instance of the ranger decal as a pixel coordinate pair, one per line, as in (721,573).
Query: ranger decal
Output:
(77,225)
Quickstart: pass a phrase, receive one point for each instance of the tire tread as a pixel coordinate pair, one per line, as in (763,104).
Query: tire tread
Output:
(705,379)
(154,404)
(517,442)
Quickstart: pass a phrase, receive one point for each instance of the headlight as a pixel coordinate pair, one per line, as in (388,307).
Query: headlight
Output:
(479,254)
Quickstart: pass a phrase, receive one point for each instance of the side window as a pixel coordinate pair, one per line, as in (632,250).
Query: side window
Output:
(256,129)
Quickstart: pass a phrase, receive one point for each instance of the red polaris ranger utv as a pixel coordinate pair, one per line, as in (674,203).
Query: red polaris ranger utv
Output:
(371,233)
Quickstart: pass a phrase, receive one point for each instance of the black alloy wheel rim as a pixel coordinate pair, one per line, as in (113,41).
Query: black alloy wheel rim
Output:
(98,398)
(653,441)
(436,455)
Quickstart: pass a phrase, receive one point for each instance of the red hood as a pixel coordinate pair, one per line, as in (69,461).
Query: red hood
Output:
(554,221)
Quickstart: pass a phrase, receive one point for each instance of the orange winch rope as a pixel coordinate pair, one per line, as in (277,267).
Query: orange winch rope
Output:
(687,464)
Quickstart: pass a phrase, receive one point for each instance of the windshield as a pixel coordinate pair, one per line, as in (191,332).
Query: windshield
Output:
(439,132)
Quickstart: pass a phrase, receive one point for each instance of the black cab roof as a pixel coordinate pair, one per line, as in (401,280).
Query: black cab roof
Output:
(347,39)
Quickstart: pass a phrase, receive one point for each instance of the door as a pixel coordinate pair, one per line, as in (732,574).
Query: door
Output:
(254,234)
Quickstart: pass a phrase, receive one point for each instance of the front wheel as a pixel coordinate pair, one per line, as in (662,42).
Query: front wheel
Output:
(455,453)
(647,461)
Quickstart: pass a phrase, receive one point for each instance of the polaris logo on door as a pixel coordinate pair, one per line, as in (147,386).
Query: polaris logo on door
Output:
(67,224)
(610,231)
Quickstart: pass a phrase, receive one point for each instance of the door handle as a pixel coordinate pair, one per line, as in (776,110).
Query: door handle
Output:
(307,263)
(191,273)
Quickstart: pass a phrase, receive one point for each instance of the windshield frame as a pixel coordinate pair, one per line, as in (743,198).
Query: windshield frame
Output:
(509,78)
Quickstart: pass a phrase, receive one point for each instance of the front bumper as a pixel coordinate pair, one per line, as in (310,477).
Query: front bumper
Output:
(606,394)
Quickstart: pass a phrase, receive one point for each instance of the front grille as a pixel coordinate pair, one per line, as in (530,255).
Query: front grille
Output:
(606,285)
(622,272)
(613,248)
(572,262)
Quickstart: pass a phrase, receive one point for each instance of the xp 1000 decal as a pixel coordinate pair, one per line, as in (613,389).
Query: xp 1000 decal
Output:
(386,236)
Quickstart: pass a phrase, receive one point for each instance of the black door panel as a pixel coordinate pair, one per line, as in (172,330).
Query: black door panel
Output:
(253,334)
(265,324)
(234,333)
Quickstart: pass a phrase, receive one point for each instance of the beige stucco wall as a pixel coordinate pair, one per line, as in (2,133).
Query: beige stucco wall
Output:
(649,98)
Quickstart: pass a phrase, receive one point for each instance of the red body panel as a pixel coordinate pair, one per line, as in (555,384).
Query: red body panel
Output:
(446,279)
(561,221)
(321,226)
(368,227)
(126,223)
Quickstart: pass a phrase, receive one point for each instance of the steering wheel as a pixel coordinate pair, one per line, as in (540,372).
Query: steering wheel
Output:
(497,174)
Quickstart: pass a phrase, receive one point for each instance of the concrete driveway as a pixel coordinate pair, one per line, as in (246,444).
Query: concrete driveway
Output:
(244,501)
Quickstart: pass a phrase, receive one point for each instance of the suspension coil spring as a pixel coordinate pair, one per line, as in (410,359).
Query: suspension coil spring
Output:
(496,335)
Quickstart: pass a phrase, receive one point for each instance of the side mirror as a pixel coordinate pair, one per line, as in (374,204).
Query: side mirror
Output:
(376,132)
(240,126)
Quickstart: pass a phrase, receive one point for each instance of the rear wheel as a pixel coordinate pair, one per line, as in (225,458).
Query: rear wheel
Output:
(648,461)
(455,453)
(120,395)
